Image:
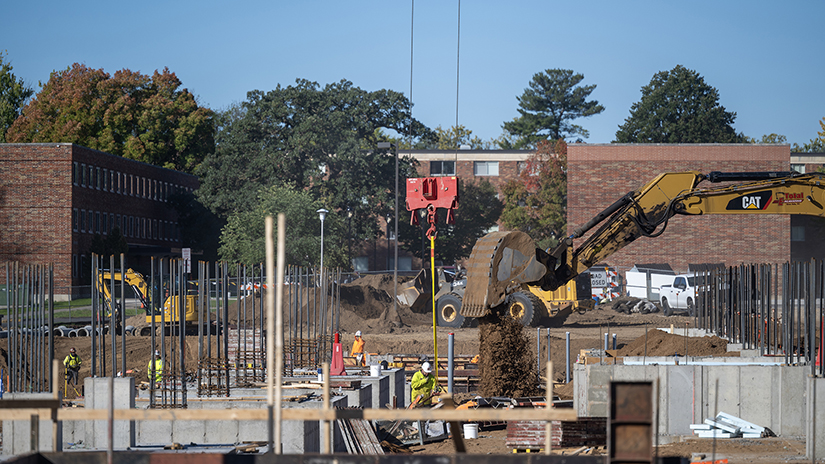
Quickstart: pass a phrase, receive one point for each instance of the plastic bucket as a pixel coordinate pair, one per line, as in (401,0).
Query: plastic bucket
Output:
(470,431)
(375,370)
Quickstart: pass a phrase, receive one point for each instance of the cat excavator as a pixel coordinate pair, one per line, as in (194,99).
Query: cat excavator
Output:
(166,315)
(505,264)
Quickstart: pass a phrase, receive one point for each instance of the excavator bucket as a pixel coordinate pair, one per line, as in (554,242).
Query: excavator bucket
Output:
(417,293)
(499,262)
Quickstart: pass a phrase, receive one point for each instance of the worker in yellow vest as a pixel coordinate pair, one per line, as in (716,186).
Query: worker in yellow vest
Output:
(155,368)
(72,365)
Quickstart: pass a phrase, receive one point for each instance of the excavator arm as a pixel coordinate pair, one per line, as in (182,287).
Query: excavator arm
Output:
(133,279)
(502,262)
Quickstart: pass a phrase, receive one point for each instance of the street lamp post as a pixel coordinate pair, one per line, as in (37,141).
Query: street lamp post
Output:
(395,265)
(322,213)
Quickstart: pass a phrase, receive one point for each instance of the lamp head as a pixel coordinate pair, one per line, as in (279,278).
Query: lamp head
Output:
(322,213)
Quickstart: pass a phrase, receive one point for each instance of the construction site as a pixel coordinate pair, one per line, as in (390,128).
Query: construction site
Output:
(529,367)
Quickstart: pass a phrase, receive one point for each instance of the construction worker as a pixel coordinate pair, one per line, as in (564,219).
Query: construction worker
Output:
(72,365)
(155,365)
(422,384)
(358,349)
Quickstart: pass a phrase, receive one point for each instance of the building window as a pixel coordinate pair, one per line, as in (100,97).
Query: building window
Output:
(485,168)
(105,185)
(798,233)
(74,220)
(800,168)
(83,220)
(117,224)
(442,168)
(97,222)
(142,227)
(74,265)
(104,227)
(361,264)
(91,179)
(131,226)
(154,229)
(82,175)
(112,223)
(75,173)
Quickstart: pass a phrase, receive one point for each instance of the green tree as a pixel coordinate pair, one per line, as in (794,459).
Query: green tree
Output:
(322,140)
(200,228)
(478,210)
(548,106)
(112,245)
(678,107)
(454,137)
(816,145)
(768,138)
(145,118)
(537,203)
(243,238)
(13,95)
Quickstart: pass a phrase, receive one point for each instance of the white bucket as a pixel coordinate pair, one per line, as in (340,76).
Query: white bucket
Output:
(375,370)
(470,431)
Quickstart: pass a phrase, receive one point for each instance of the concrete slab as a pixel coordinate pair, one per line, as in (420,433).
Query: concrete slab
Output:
(97,397)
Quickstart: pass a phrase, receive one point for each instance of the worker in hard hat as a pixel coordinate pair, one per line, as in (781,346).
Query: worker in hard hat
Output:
(358,349)
(155,369)
(422,385)
(72,364)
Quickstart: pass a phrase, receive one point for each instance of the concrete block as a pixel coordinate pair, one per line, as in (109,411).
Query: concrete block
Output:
(17,434)
(154,432)
(678,385)
(815,419)
(97,397)
(754,403)
(189,432)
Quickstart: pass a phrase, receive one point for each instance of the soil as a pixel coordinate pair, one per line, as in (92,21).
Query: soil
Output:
(366,305)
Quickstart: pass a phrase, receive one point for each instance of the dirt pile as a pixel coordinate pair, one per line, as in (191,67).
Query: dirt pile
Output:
(506,359)
(661,343)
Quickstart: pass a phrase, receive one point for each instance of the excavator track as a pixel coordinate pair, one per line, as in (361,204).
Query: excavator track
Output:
(499,262)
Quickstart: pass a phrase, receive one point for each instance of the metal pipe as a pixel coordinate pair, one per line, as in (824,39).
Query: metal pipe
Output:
(152,295)
(182,276)
(123,314)
(538,354)
(113,312)
(53,372)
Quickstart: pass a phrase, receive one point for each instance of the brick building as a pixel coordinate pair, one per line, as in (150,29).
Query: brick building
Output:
(55,197)
(599,174)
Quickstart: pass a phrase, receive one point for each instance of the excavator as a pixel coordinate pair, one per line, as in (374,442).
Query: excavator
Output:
(167,315)
(505,264)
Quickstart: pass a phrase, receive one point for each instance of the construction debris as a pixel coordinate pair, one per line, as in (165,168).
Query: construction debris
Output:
(729,426)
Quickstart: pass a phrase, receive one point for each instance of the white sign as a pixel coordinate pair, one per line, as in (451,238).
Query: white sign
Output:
(187,259)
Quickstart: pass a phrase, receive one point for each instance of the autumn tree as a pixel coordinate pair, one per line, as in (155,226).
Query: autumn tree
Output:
(678,107)
(537,203)
(549,105)
(144,118)
(13,95)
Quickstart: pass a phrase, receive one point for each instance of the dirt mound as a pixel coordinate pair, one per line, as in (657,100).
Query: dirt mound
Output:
(661,343)
(506,359)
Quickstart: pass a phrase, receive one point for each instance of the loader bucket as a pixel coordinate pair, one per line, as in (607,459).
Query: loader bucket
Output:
(499,263)
(417,293)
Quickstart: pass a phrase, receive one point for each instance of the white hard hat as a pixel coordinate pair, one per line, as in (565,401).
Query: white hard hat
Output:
(357,333)
(157,353)
(427,368)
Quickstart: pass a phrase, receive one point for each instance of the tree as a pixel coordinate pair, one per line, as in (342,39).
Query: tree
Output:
(144,118)
(13,95)
(678,107)
(768,138)
(322,140)
(537,203)
(455,137)
(243,238)
(478,211)
(816,145)
(553,99)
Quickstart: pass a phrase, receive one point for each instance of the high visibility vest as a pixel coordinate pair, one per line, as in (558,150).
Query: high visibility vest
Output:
(358,346)
(158,369)
(72,361)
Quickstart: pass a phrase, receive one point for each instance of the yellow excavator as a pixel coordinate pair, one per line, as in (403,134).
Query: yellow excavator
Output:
(168,314)
(504,264)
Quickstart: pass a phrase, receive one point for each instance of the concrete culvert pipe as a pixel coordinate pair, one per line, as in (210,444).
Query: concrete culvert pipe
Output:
(145,331)
(130,330)
(73,333)
(81,332)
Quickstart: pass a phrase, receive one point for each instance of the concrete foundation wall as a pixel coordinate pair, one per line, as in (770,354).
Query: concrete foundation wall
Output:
(770,396)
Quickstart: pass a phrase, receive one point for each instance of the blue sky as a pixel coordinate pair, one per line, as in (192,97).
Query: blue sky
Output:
(766,58)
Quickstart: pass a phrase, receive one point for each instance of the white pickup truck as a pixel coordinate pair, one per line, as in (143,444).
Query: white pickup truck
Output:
(680,295)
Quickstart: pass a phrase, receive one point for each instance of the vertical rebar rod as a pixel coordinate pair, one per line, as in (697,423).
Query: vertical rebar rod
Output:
(94,356)
(123,313)
(182,276)
(538,354)
(152,298)
(451,363)
(567,358)
(52,373)
(164,324)
(112,310)
(225,330)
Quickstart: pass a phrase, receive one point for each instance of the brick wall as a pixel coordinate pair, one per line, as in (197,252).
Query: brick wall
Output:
(600,174)
(43,192)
